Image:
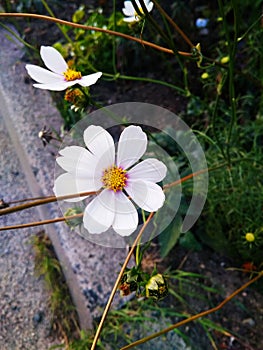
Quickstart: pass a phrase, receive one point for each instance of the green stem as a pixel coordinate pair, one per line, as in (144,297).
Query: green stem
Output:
(195,317)
(107,308)
(150,19)
(149,80)
(232,45)
(138,255)
(232,53)
(186,86)
(250,28)
(110,114)
(59,26)
(213,121)
(114,40)
(18,37)
(168,38)
(171,21)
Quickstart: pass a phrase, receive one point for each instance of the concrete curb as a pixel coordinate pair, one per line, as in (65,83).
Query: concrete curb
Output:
(90,270)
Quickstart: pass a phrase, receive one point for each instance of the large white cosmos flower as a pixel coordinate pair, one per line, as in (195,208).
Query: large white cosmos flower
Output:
(131,13)
(118,181)
(60,76)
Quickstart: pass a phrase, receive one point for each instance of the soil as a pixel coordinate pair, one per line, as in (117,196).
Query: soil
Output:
(242,317)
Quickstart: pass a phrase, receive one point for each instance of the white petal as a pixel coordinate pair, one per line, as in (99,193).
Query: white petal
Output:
(53,59)
(147,195)
(101,144)
(42,75)
(149,6)
(67,184)
(80,163)
(131,19)
(58,86)
(132,145)
(90,79)
(138,3)
(71,156)
(99,214)
(127,12)
(149,169)
(128,9)
(126,216)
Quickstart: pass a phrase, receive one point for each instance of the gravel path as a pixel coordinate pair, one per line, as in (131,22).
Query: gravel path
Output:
(26,170)
(24,313)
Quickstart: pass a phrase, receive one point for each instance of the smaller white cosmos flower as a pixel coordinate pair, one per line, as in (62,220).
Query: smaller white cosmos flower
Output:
(59,76)
(130,12)
(118,181)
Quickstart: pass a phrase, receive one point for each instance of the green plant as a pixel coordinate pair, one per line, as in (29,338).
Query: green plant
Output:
(220,79)
(65,319)
(23,5)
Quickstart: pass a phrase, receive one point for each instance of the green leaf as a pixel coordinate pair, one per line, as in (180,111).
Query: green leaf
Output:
(188,241)
(169,237)
(78,15)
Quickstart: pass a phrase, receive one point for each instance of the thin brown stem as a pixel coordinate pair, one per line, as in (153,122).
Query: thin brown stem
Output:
(190,176)
(171,21)
(50,199)
(106,31)
(195,317)
(43,200)
(107,308)
(39,223)
(26,199)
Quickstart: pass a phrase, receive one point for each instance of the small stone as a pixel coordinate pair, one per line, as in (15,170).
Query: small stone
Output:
(14,307)
(38,317)
(249,321)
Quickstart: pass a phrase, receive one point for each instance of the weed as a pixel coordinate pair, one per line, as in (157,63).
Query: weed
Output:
(65,319)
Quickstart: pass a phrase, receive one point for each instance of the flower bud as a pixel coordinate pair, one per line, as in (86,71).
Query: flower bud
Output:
(250,237)
(156,287)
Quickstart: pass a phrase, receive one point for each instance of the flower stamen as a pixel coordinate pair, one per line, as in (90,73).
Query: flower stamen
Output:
(71,75)
(114,178)
(138,15)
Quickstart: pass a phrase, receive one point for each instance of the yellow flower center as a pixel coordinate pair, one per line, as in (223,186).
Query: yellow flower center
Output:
(71,75)
(73,95)
(250,237)
(114,178)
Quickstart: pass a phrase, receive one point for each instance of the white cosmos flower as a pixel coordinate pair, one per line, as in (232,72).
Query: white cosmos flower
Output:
(130,12)
(60,76)
(118,181)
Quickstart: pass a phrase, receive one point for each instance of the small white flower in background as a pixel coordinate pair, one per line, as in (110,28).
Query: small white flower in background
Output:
(130,12)
(60,76)
(120,183)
